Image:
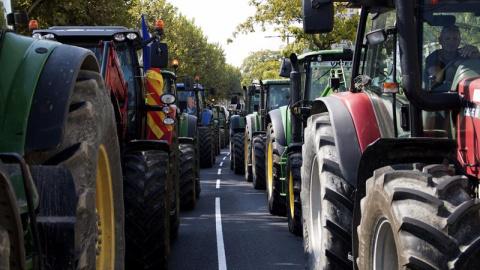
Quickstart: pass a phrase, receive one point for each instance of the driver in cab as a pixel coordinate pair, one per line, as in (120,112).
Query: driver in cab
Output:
(441,65)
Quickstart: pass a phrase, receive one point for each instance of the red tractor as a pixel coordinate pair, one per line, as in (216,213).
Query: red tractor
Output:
(391,168)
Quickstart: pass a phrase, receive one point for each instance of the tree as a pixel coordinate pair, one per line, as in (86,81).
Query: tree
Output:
(286,17)
(260,66)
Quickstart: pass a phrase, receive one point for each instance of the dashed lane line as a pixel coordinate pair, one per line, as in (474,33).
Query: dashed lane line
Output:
(222,261)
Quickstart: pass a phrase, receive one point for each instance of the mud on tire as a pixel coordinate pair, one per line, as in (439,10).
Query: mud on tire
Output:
(90,150)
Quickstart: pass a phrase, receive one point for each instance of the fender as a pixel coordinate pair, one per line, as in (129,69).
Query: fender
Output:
(207,116)
(187,126)
(47,117)
(253,124)
(344,110)
(276,118)
(237,124)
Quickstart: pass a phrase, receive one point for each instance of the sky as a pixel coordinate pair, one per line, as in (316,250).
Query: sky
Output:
(218,20)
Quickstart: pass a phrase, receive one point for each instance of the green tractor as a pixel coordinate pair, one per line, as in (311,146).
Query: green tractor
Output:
(61,187)
(238,124)
(273,95)
(322,73)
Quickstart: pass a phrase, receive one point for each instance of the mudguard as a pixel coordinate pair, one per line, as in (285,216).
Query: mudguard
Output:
(41,105)
(276,117)
(253,124)
(237,124)
(207,116)
(187,126)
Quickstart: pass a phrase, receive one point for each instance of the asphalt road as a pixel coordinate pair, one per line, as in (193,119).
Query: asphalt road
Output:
(230,228)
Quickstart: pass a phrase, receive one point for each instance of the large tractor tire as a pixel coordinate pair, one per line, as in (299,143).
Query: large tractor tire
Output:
(197,169)
(223,138)
(294,186)
(275,201)
(216,139)
(258,163)
(206,146)
(417,216)
(147,209)
(188,190)
(247,144)
(90,151)
(238,153)
(175,189)
(232,154)
(327,199)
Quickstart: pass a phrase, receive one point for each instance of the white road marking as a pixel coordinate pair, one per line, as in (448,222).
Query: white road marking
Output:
(219,171)
(218,183)
(224,157)
(222,261)
(221,164)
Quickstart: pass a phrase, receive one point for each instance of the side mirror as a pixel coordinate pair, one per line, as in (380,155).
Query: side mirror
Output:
(285,68)
(376,37)
(317,16)
(251,90)
(159,55)
(334,83)
(188,83)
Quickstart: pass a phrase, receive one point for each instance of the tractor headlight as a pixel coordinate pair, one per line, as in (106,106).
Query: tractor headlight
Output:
(37,36)
(166,110)
(49,37)
(167,99)
(168,121)
(119,37)
(131,36)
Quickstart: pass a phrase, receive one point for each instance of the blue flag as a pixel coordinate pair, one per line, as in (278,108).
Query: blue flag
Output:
(146,49)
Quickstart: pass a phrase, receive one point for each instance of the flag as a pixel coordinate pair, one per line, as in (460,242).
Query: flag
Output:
(146,49)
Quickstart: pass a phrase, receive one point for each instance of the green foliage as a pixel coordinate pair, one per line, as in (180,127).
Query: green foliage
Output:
(286,18)
(260,66)
(186,41)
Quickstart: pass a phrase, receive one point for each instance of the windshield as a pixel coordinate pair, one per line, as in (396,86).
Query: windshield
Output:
(255,101)
(278,95)
(187,102)
(319,74)
(168,84)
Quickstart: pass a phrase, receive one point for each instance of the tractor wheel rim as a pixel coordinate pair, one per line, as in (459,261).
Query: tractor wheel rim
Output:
(269,169)
(316,211)
(291,198)
(105,244)
(384,248)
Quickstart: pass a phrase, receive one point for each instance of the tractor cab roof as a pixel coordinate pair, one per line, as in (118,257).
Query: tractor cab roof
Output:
(92,33)
(275,81)
(327,55)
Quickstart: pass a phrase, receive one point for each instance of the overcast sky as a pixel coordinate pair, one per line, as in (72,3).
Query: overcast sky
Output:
(218,20)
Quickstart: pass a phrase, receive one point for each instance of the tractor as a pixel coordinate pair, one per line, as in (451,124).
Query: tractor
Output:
(192,103)
(390,168)
(238,124)
(61,187)
(145,112)
(274,93)
(219,114)
(323,73)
